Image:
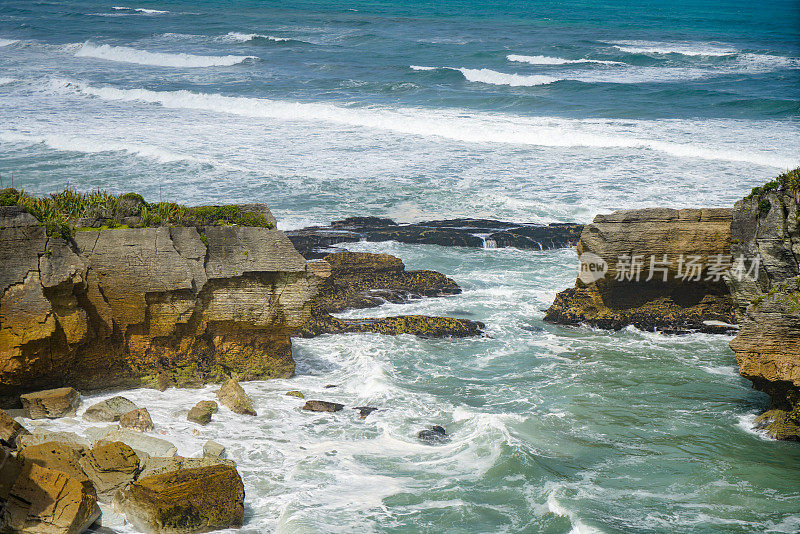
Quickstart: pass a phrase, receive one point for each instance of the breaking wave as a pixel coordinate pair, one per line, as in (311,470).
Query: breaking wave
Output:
(547,60)
(126,54)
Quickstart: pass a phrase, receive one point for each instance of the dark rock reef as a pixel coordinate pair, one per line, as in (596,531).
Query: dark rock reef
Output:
(359,280)
(766,224)
(315,242)
(680,248)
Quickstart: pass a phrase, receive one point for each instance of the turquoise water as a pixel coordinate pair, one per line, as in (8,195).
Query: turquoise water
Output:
(531,111)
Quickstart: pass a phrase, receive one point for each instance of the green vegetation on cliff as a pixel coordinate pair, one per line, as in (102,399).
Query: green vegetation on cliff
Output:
(786,180)
(61,213)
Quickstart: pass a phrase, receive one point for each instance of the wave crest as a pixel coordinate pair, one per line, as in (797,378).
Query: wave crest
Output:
(493,77)
(127,54)
(140,10)
(7,42)
(683,48)
(547,60)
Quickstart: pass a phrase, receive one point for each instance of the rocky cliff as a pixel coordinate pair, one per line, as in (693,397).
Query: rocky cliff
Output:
(766,225)
(656,269)
(149,306)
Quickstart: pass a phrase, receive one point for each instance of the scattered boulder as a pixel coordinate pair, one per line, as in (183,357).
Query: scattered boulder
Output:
(110,466)
(138,420)
(322,406)
(64,457)
(109,410)
(202,411)
(143,444)
(157,466)
(51,403)
(295,393)
(364,411)
(185,501)
(48,501)
(40,436)
(212,449)
(233,396)
(10,430)
(434,435)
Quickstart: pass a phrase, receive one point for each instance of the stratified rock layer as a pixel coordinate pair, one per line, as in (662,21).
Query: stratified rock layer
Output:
(357,280)
(670,300)
(149,307)
(767,348)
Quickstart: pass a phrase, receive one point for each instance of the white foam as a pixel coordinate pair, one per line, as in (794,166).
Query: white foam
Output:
(684,48)
(244,37)
(578,527)
(493,77)
(547,60)
(471,127)
(140,10)
(7,42)
(7,81)
(127,54)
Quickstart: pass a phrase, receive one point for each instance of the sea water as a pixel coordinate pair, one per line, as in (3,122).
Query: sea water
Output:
(524,111)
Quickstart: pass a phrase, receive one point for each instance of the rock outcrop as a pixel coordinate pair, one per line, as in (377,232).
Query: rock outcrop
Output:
(316,242)
(189,500)
(656,269)
(109,410)
(51,403)
(233,396)
(152,307)
(358,280)
(766,225)
(10,430)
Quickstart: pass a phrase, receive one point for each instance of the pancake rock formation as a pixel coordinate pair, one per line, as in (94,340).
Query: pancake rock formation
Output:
(657,269)
(766,224)
(148,306)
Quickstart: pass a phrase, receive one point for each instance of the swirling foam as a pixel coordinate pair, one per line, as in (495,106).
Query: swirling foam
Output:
(493,77)
(7,42)
(127,54)
(141,10)
(245,37)
(683,48)
(470,127)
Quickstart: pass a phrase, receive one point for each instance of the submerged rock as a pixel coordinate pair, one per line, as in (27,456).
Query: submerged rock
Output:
(364,411)
(156,466)
(435,435)
(322,406)
(138,420)
(185,501)
(234,397)
(635,270)
(143,444)
(418,325)
(109,410)
(295,393)
(51,403)
(212,449)
(40,436)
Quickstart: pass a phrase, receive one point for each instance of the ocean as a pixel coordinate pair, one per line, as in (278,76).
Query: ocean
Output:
(416,110)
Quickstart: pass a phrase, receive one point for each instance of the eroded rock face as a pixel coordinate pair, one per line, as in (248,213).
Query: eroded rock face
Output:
(10,430)
(768,305)
(148,307)
(678,297)
(191,500)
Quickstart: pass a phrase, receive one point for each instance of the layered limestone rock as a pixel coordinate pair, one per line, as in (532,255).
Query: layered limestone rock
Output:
(356,280)
(656,269)
(146,307)
(767,225)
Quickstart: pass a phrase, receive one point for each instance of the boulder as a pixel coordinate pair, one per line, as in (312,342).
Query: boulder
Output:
(61,456)
(40,436)
(322,406)
(233,396)
(47,501)
(185,501)
(212,449)
(138,420)
(10,430)
(156,466)
(143,444)
(202,411)
(110,466)
(295,393)
(424,326)
(434,435)
(109,410)
(51,403)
